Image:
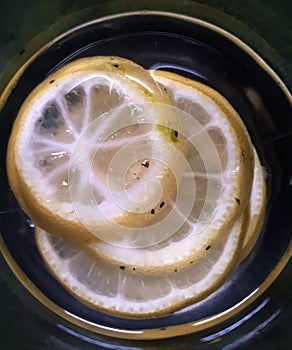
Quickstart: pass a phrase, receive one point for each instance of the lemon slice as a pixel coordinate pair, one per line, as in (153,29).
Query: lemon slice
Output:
(60,114)
(118,291)
(254,214)
(257,209)
(220,155)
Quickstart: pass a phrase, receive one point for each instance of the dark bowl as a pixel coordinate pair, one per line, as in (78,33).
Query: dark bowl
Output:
(204,52)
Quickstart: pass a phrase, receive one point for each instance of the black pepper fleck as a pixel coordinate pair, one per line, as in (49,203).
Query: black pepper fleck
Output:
(175,133)
(152,211)
(237,200)
(51,82)
(207,248)
(145,163)
(122,267)
(162,204)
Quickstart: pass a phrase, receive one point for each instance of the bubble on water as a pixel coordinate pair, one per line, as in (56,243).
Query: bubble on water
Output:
(30,223)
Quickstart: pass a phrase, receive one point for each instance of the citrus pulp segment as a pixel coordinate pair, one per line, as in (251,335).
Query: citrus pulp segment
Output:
(119,291)
(220,155)
(51,121)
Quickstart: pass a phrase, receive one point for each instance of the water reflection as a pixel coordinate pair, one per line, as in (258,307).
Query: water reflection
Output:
(236,324)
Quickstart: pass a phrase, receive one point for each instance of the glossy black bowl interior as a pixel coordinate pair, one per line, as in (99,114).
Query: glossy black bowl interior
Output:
(199,53)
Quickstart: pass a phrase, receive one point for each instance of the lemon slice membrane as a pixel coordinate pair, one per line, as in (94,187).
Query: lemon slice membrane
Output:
(119,291)
(148,181)
(50,123)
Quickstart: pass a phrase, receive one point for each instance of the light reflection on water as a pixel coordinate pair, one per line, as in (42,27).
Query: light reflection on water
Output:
(252,334)
(236,324)
(165,66)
